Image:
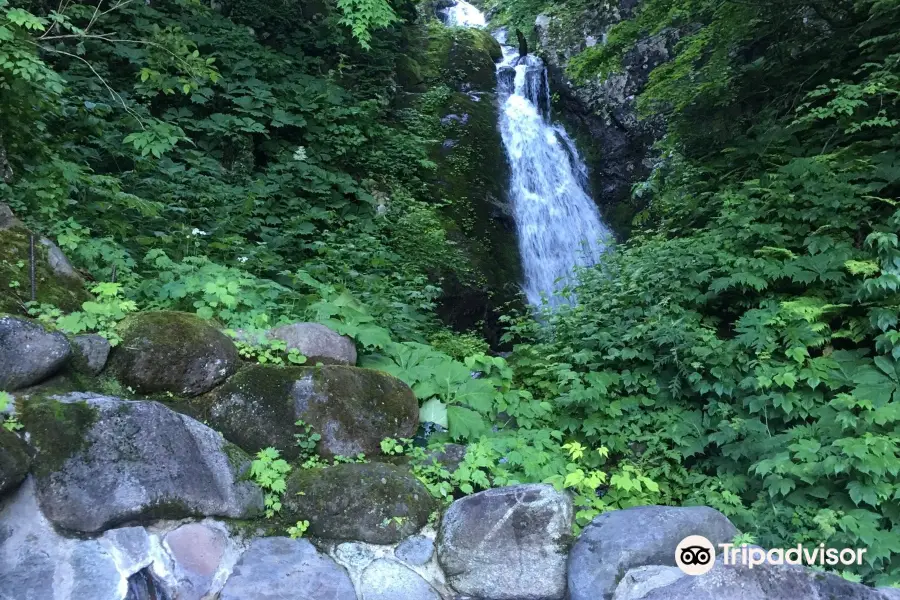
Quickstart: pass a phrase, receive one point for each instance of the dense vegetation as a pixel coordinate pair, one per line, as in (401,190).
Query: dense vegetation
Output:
(741,350)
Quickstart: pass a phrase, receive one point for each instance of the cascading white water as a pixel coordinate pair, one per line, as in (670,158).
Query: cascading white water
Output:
(463,14)
(557,223)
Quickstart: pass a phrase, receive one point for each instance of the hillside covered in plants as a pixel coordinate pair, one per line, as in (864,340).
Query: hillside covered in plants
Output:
(291,230)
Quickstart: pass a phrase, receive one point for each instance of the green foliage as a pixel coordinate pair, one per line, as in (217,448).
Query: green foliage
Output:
(458,345)
(10,423)
(100,316)
(741,352)
(460,396)
(270,472)
(364,15)
(306,439)
(392,447)
(297,530)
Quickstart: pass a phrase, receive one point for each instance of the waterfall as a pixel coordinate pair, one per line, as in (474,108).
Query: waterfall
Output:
(558,225)
(463,14)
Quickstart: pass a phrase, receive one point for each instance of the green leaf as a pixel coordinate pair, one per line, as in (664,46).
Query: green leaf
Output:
(465,424)
(434,411)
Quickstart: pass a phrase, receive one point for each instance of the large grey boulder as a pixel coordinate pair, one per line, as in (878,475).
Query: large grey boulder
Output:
(507,543)
(386,579)
(620,540)
(370,502)
(103,461)
(278,568)
(36,563)
(172,352)
(351,409)
(738,582)
(29,353)
(90,353)
(317,343)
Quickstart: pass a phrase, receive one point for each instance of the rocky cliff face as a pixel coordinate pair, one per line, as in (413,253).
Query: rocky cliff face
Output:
(449,77)
(601,111)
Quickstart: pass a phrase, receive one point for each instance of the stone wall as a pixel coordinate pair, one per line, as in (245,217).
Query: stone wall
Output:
(106,498)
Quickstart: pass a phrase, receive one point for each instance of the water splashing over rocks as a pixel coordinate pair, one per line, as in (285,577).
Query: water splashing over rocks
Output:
(557,222)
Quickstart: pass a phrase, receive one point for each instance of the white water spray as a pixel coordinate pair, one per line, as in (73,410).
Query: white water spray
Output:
(558,225)
(463,14)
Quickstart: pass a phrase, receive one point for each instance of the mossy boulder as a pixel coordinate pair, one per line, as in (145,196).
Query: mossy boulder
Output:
(103,461)
(56,282)
(172,352)
(29,353)
(15,460)
(461,58)
(371,502)
(352,409)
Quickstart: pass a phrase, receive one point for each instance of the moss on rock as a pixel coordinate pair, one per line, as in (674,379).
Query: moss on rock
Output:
(460,57)
(352,409)
(58,430)
(372,502)
(66,292)
(172,352)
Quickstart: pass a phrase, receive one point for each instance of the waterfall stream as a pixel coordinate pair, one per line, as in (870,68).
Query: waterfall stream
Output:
(558,225)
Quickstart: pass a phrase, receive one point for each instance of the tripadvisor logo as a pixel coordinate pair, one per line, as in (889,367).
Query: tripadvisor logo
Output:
(696,555)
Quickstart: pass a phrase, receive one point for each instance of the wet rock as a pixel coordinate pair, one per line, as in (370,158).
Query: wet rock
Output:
(29,353)
(603,108)
(103,461)
(370,502)
(507,543)
(317,343)
(278,567)
(620,540)
(352,409)
(173,352)
(461,58)
(90,353)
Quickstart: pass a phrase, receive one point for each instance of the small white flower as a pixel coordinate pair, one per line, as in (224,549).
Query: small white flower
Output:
(300,154)
(196,231)
(242,259)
